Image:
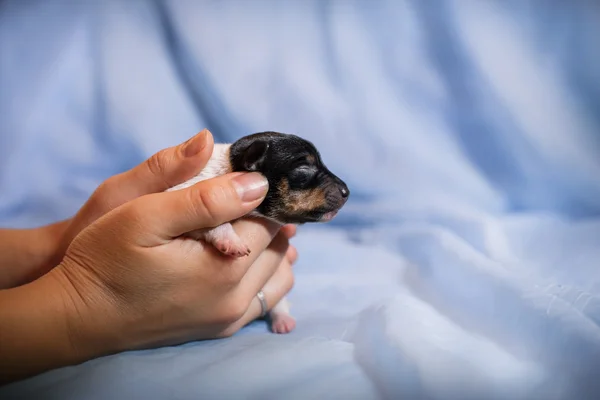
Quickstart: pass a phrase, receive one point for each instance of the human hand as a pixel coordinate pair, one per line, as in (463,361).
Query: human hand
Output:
(161,171)
(27,254)
(132,281)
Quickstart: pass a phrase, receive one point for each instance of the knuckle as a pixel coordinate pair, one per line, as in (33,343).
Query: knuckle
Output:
(287,278)
(200,204)
(292,254)
(221,319)
(101,198)
(158,163)
(107,184)
(223,275)
(207,200)
(289,281)
(228,279)
(280,244)
(231,329)
(234,309)
(132,214)
(229,332)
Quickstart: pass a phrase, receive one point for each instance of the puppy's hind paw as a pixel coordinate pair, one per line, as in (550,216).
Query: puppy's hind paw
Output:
(283,324)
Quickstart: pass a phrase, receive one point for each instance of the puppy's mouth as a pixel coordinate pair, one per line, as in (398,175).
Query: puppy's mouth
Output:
(328,216)
(318,216)
(329,213)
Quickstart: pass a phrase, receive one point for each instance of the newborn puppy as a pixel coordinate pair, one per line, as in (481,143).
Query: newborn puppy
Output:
(301,190)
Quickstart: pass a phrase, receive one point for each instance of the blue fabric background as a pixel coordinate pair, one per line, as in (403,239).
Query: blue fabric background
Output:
(465,264)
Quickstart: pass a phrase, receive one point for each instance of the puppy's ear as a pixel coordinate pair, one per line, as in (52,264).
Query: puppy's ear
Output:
(255,155)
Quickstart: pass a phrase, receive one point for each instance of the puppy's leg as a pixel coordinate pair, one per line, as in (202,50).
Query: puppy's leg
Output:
(224,239)
(281,319)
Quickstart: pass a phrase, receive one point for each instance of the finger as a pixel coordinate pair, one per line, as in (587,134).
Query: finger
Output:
(206,204)
(167,168)
(291,254)
(263,268)
(278,286)
(289,230)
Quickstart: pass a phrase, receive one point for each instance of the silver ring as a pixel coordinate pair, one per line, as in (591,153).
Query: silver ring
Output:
(263,303)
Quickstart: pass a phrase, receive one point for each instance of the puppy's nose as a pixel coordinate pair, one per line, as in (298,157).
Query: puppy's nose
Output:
(344,191)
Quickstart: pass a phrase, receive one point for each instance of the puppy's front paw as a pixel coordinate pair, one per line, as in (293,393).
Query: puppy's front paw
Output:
(232,248)
(282,323)
(224,239)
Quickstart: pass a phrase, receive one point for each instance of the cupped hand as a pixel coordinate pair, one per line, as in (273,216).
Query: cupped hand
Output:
(133,281)
(28,254)
(158,173)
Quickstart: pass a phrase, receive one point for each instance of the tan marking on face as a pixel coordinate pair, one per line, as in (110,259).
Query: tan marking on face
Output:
(297,202)
(310,159)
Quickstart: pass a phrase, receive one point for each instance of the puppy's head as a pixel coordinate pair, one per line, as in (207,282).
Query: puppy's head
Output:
(301,188)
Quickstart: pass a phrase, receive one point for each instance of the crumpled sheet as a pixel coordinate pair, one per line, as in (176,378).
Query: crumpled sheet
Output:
(465,265)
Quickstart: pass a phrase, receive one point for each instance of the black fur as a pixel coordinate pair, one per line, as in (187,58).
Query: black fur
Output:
(301,188)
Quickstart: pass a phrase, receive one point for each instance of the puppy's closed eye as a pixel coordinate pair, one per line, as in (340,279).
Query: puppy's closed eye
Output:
(299,162)
(302,176)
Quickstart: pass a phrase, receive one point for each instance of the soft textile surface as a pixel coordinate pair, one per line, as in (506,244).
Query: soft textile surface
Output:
(465,265)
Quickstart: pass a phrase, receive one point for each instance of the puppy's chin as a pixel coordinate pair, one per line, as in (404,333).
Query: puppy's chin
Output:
(297,219)
(321,218)
(328,216)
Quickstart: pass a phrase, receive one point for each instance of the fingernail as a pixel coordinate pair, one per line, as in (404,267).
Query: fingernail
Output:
(195,144)
(251,186)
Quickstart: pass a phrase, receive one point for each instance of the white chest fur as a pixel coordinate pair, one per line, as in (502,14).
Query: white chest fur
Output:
(217,165)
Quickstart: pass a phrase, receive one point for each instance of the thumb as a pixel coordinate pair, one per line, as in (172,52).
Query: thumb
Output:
(167,168)
(204,205)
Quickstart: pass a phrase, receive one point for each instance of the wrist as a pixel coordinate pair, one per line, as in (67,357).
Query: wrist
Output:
(50,244)
(34,330)
(91,313)
(27,254)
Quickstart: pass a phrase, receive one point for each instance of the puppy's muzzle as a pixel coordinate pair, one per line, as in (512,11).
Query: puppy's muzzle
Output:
(337,196)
